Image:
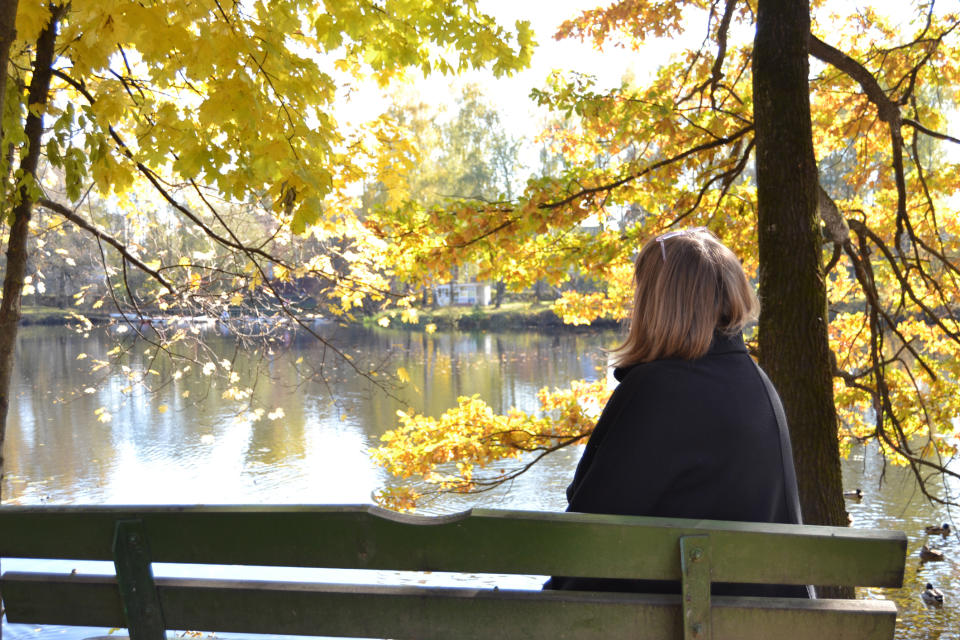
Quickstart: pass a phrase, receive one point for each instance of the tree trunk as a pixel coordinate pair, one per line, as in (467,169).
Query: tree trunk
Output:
(498,295)
(794,347)
(19,229)
(8,32)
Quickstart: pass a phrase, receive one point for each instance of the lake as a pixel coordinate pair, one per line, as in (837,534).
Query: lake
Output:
(183,442)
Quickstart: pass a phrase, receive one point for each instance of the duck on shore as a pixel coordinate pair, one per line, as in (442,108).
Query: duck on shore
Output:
(943,529)
(933,596)
(930,555)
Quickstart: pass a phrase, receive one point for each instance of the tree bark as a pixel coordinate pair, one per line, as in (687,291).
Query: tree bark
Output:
(793,341)
(8,33)
(20,227)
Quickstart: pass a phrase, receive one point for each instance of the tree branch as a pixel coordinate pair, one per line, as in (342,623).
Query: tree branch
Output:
(888,110)
(72,216)
(930,132)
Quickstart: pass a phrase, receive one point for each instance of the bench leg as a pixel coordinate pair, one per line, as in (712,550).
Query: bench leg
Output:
(695,582)
(141,603)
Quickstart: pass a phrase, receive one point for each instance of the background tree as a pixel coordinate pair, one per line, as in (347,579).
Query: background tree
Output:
(464,156)
(682,151)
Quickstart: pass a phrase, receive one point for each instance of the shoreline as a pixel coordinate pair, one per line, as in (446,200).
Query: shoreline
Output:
(510,317)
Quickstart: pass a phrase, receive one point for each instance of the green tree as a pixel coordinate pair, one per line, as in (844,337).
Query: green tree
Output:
(466,156)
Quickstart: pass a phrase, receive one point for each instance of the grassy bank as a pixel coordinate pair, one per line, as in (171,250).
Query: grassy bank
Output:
(56,316)
(510,316)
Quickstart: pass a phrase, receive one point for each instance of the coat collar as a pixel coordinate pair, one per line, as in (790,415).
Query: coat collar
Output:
(722,343)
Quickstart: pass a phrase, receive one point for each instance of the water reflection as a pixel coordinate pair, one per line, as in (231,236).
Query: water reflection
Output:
(898,504)
(205,449)
(184,442)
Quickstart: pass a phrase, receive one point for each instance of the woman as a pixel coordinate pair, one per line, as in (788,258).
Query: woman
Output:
(691,430)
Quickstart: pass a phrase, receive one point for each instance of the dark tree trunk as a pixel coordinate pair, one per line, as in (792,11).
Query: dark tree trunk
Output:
(8,17)
(8,32)
(498,294)
(19,229)
(793,342)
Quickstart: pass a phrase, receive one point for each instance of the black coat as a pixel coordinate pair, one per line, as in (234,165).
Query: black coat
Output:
(685,439)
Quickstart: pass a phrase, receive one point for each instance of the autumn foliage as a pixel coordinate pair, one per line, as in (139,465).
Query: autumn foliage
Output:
(678,150)
(221,176)
(195,144)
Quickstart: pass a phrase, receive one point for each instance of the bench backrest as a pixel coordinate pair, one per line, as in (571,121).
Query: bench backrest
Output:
(478,541)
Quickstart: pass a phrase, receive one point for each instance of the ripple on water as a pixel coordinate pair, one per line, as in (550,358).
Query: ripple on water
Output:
(898,504)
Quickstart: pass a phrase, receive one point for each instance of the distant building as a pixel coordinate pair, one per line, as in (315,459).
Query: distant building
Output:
(464,293)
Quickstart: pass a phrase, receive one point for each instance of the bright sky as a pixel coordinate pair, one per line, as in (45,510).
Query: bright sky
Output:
(510,95)
(545,16)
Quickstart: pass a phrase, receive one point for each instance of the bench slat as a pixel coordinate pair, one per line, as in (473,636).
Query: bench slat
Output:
(434,613)
(477,541)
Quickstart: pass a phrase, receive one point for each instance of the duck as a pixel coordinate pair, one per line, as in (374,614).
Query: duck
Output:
(856,494)
(933,596)
(930,555)
(943,529)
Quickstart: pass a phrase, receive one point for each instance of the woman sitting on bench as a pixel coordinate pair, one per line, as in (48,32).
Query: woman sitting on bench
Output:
(692,430)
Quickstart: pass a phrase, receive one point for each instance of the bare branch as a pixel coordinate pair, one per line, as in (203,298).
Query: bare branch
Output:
(73,217)
(930,132)
(888,110)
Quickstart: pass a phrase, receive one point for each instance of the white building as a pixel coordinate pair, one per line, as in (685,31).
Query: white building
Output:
(464,293)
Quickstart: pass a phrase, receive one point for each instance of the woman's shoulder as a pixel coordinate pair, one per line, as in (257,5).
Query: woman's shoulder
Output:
(673,379)
(652,370)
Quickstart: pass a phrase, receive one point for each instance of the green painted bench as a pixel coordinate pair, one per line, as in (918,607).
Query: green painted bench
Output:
(693,552)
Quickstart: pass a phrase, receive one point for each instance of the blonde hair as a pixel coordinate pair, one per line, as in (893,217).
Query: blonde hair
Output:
(687,286)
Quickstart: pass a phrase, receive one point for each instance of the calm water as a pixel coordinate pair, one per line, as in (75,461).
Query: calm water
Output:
(184,443)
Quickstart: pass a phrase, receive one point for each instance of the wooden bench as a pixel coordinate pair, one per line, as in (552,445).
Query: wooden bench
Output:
(478,541)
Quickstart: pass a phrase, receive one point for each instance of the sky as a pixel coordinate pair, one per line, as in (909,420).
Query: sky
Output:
(510,95)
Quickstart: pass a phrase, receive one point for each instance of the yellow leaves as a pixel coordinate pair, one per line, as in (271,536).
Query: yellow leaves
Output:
(162,408)
(430,328)
(110,105)
(403,498)
(582,309)
(384,321)
(236,393)
(32,17)
(472,437)
(102,415)
(402,375)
